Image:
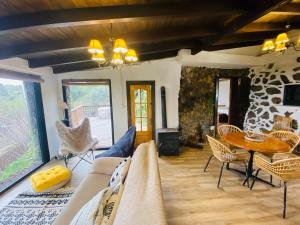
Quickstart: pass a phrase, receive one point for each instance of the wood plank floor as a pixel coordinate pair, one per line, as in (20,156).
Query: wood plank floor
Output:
(191,196)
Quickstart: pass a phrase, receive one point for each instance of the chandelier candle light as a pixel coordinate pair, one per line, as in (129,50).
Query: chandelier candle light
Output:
(120,53)
(281,43)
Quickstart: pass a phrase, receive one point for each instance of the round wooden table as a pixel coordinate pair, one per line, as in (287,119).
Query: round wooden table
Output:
(269,145)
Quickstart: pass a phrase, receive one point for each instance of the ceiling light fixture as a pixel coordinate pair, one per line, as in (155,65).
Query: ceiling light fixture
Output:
(118,55)
(281,43)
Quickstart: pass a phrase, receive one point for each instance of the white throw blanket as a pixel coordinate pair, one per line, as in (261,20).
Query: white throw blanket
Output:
(77,140)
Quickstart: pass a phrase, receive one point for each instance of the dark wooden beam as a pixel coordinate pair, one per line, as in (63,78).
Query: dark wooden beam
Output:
(132,39)
(264,8)
(232,45)
(80,56)
(248,37)
(292,9)
(268,26)
(145,49)
(142,49)
(75,67)
(113,14)
(78,66)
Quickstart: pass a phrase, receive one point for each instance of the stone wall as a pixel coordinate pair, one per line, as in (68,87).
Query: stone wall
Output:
(196,100)
(266,96)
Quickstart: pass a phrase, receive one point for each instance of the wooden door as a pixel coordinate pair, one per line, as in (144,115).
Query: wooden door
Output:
(141,111)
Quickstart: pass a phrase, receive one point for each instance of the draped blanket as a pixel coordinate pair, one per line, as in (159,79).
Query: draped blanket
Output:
(142,198)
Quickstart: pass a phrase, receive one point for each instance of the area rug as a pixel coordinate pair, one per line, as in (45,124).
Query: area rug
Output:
(31,208)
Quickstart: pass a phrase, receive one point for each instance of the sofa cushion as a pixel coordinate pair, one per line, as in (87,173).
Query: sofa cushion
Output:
(123,147)
(108,213)
(89,187)
(120,173)
(89,212)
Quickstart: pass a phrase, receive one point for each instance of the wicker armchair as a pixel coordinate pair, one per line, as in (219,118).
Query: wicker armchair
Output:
(291,139)
(225,155)
(285,170)
(223,130)
(226,129)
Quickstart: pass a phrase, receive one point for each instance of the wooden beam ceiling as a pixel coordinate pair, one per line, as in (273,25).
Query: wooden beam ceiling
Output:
(143,51)
(232,45)
(132,39)
(82,55)
(292,9)
(268,26)
(113,14)
(244,37)
(266,7)
(225,25)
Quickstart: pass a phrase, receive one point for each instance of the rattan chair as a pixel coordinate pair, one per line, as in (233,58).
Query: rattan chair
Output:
(285,170)
(225,155)
(223,130)
(291,139)
(226,129)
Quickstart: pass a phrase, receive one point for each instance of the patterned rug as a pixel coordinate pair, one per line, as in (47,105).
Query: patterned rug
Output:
(31,208)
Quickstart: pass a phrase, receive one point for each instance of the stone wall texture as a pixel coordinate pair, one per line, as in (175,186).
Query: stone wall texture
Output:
(196,100)
(266,95)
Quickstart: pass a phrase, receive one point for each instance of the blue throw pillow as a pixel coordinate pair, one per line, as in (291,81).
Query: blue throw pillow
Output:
(123,147)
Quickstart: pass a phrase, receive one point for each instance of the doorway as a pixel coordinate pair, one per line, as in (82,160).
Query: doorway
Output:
(232,100)
(91,99)
(223,111)
(141,109)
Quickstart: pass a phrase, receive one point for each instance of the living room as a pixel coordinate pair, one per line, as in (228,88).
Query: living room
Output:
(149,112)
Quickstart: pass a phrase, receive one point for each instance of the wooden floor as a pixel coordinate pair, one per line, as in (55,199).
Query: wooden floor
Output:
(191,196)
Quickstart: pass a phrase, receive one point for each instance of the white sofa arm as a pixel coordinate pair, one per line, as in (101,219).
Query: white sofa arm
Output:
(105,165)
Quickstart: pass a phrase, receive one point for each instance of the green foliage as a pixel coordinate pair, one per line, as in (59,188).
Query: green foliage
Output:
(16,129)
(24,162)
(89,95)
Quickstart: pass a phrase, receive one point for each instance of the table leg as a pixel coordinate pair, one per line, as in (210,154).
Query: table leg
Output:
(250,167)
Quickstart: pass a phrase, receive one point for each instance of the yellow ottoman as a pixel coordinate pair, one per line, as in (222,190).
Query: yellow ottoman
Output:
(51,179)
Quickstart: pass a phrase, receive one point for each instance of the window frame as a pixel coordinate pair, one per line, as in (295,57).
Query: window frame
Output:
(66,82)
(36,95)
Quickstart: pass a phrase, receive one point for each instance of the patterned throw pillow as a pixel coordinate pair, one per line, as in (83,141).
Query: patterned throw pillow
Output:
(110,209)
(120,173)
(90,211)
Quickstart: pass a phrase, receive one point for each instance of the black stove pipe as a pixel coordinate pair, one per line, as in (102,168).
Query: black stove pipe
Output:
(163,107)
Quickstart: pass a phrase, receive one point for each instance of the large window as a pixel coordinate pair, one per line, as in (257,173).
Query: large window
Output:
(23,144)
(91,99)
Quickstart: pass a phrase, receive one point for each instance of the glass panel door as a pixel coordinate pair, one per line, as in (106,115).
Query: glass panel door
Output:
(20,150)
(141,111)
(92,99)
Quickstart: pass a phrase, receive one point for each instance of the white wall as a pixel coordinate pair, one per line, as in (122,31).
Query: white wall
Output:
(165,73)
(49,95)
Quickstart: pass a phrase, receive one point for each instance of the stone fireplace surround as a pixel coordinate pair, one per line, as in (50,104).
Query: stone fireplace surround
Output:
(196,99)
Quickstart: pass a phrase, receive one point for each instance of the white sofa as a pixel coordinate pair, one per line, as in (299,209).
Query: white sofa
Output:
(142,200)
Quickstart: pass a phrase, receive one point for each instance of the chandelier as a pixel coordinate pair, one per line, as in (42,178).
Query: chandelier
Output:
(119,54)
(280,44)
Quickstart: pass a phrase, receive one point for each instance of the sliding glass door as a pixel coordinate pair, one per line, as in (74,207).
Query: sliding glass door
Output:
(91,99)
(21,122)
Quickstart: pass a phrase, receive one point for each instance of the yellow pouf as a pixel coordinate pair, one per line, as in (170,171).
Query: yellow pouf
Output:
(50,179)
